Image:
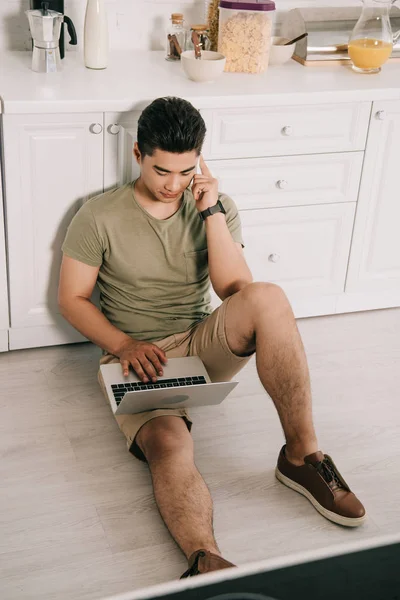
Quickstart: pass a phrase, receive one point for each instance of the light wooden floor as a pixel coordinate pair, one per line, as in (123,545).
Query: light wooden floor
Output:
(77,516)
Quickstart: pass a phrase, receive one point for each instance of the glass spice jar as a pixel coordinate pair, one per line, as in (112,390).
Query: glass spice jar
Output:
(204,39)
(176,37)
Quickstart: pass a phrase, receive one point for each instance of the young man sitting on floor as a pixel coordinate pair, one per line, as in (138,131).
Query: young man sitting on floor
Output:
(153,246)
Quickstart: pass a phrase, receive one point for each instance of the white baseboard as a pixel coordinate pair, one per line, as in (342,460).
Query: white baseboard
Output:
(353,302)
(303,307)
(344,303)
(3,340)
(36,337)
(313,307)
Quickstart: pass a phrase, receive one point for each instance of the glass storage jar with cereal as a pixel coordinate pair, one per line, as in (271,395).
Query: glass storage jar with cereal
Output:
(245,30)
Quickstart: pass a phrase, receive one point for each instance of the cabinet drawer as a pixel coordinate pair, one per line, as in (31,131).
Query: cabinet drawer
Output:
(290,181)
(278,131)
(302,249)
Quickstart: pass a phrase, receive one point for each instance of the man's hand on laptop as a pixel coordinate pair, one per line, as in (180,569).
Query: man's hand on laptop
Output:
(145,358)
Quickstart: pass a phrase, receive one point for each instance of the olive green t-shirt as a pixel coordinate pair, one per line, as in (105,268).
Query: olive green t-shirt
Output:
(153,276)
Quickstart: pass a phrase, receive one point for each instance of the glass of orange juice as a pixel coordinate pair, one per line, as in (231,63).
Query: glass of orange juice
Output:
(371,42)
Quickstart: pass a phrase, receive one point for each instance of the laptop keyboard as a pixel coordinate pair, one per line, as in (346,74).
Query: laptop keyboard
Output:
(119,389)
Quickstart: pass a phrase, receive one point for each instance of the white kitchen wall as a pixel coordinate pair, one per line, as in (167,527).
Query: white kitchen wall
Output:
(134,24)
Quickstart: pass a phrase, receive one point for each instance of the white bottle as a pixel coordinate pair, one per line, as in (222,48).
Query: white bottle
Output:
(96,35)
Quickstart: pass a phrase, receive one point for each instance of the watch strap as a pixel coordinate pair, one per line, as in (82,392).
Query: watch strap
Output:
(212,210)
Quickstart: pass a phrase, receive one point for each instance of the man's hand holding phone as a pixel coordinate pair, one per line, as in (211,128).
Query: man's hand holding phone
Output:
(204,187)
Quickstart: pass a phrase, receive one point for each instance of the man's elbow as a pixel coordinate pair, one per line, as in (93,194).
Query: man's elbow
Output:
(63,305)
(67,303)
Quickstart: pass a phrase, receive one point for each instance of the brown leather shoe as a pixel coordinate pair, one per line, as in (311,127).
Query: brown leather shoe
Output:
(203,561)
(322,484)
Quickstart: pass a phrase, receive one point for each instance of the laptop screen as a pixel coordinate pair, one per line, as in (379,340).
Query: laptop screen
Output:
(372,574)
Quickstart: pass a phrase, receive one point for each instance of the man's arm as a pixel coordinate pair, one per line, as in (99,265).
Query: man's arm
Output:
(227,266)
(77,281)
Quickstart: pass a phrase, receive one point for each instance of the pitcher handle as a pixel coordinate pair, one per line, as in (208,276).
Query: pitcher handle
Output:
(397,34)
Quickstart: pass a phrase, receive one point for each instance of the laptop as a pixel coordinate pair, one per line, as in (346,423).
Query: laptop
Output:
(360,570)
(184,384)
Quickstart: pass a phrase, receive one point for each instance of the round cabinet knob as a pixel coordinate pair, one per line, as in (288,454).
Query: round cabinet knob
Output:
(381,115)
(114,129)
(281,184)
(96,128)
(274,258)
(287,130)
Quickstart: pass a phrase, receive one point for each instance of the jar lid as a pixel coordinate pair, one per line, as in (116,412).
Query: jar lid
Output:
(203,27)
(177,16)
(248,4)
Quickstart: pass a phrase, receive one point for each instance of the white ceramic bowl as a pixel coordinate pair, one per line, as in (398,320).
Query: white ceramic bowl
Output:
(279,54)
(207,68)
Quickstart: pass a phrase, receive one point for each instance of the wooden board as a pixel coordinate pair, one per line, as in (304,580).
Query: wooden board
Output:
(338,61)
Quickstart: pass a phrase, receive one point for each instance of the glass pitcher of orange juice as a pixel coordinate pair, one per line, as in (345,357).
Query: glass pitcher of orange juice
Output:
(371,41)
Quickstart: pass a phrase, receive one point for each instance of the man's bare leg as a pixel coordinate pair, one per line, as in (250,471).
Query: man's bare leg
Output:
(260,318)
(181,494)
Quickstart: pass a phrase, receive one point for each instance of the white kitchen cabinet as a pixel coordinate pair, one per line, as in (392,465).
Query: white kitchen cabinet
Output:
(4,323)
(375,254)
(290,180)
(120,134)
(294,172)
(52,164)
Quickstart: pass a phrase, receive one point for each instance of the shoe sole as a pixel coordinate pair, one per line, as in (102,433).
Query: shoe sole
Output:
(328,514)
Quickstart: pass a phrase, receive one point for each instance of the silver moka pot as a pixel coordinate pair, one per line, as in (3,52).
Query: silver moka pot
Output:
(45,28)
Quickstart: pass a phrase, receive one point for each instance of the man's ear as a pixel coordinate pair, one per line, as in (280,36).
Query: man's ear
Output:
(137,153)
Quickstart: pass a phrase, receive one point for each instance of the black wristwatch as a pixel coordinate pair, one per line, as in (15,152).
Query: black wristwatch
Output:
(212,210)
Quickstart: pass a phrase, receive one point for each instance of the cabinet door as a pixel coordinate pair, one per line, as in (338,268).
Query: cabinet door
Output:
(375,253)
(4,324)
(303,249)
(52,164)
(120,131)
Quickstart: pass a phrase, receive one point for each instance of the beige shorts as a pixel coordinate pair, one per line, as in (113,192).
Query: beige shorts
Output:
(207,340)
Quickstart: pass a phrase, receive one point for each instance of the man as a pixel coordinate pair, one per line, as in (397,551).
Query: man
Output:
(153,246)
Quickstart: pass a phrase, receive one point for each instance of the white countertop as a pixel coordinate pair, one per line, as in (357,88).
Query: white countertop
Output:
(135,78)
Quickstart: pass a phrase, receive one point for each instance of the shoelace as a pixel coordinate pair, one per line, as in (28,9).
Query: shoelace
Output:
(194,569)
(327,471)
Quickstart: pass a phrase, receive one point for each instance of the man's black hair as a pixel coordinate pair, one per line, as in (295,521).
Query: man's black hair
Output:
(172,125)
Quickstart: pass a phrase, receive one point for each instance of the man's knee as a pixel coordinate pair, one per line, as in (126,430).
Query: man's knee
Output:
(262,295)
(165,437)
